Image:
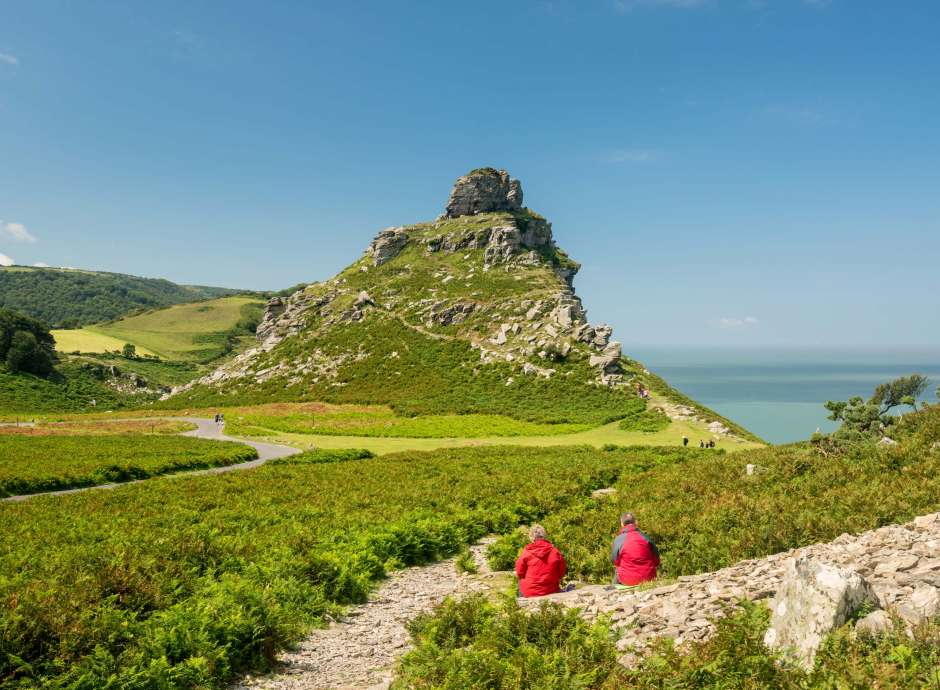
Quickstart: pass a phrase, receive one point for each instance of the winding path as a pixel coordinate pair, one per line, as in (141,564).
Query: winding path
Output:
(205,428)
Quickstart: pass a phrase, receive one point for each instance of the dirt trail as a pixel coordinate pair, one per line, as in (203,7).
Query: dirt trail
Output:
(205,428)
(360,650)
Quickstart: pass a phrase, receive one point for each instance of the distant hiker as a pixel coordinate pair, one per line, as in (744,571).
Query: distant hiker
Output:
(711,444)
(701,444)
(216,417)
(540,566)
(685,440)
(634,555)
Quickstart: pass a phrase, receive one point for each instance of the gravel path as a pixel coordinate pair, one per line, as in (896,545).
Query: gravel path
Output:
(359,651)
(205,428)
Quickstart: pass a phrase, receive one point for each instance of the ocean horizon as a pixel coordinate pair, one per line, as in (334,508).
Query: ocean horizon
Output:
(778,392)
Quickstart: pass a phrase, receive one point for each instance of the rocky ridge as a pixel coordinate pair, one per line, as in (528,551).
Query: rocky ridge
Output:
(487,271)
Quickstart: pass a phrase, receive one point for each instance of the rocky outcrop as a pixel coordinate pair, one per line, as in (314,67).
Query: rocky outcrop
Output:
(901,564)
(386,245)
(814,599)
(484,191)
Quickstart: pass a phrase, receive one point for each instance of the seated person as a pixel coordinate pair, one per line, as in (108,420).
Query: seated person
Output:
(634,555)
(540,566)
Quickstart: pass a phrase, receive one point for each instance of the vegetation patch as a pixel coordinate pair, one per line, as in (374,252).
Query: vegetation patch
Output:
(184,583)
(474,643)
(377,421)
(32,464)
(648,421)
(97,428)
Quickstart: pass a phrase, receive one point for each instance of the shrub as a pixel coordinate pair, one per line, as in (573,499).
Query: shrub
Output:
(474,643)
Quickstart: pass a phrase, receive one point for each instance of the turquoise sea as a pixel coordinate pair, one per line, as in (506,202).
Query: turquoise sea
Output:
(779,393)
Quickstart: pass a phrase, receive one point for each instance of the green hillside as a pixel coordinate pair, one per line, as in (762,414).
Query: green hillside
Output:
(196,332)
(473,313)
(68,297)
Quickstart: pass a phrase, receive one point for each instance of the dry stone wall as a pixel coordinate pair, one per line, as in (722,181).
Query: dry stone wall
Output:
(900,563)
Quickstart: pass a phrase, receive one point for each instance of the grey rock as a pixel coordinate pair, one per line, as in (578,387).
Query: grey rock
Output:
(874,624)
(484,191)
(386,245)
(814,599)
(608,360)
(602,333)
(362,299)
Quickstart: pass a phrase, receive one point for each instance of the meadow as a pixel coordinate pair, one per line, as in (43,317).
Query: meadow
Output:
(34,463)
(184,582)
(83,427)
(194,332)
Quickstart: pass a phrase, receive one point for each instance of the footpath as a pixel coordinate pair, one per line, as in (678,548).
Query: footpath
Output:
(205,428)
(900,562)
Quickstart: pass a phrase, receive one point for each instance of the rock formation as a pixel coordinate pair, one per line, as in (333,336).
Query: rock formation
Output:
(814,599)
(483,191)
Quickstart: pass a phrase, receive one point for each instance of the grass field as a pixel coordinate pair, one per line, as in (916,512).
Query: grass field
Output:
(97,428)
(185,332)
(88,340)
(30,463)
(598,437)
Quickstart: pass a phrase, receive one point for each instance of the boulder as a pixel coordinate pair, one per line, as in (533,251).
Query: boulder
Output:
(602,333)
(386,245)
(814,599)
(608,360)
(886,441)
(874,624)
(483,191)
(362,299)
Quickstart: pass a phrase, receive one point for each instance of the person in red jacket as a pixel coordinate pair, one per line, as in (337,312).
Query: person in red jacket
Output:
(540,566)
(634,555)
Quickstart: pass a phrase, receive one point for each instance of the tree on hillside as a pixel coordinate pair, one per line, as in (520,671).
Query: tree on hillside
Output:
(12,323)
(25,354)
(902,391)
(868,418)
(129,351)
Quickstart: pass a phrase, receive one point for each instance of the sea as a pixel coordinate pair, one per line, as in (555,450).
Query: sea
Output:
(778,393)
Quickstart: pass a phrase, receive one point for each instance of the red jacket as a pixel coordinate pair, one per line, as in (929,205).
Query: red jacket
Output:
(540,568)
(635,556)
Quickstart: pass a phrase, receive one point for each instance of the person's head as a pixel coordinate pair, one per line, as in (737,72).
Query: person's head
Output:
(537,532)
(627,519)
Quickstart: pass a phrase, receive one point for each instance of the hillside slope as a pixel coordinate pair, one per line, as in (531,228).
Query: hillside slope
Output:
(474,312)
(68,297)
(196,332)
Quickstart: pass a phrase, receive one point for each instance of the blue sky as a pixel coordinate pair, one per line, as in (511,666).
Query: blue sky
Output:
(728,171)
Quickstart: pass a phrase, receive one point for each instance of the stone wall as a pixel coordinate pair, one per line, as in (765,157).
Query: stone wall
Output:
(901,563)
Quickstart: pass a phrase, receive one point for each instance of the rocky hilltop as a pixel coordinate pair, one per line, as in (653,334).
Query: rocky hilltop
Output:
(480,300)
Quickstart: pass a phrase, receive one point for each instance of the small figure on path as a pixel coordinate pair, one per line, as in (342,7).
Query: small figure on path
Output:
(685,440)
(540,566)
(634,555)
(701,444)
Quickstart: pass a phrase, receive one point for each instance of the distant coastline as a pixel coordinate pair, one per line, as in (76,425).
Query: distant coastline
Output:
(776,392)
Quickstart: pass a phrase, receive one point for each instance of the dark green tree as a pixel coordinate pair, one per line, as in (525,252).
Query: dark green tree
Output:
(129,351)
(902,391)
(26,354)
(868,418)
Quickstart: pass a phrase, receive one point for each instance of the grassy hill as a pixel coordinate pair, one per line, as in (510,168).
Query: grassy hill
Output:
(472,313)
(197,332)
(63,296)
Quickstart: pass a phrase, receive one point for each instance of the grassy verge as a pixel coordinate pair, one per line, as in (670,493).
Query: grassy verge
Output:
(76,461)
(97,428)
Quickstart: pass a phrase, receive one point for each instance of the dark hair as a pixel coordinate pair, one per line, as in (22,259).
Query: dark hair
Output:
(627,519)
